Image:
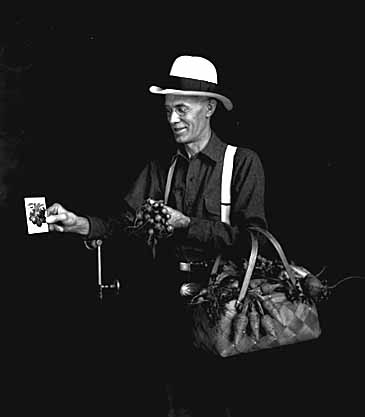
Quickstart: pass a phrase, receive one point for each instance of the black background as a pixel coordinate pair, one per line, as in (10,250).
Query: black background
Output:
(79,124)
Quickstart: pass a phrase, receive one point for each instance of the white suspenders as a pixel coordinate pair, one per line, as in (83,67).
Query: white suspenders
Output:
(169,179)
(226,182)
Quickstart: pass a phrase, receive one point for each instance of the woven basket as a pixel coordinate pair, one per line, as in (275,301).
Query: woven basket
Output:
(242,327)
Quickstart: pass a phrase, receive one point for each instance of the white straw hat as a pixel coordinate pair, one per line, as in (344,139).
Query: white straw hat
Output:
(193,75)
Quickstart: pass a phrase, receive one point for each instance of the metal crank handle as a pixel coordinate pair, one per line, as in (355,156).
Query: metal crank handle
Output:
(113,288)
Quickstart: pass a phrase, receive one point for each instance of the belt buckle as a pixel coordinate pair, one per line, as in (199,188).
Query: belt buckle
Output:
(185,266)
(193,266)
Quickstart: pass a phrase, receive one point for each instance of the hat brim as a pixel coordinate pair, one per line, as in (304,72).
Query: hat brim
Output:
(224,100)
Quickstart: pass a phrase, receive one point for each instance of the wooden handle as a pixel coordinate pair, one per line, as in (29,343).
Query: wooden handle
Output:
(250,267)
(279,250)
(253,258)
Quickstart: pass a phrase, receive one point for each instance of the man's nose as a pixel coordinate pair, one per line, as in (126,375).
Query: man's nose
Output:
(174,117)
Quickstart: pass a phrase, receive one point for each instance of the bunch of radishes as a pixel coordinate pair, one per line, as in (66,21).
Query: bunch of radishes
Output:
(152,223)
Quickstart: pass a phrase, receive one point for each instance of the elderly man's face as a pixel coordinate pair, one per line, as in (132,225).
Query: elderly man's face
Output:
(187,116)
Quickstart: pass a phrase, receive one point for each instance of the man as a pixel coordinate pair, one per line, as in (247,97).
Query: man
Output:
(191,97)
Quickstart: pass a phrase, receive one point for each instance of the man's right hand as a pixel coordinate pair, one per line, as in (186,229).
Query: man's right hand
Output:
(61,220)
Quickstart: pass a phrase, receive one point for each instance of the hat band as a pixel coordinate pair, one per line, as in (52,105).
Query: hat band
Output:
(189,84)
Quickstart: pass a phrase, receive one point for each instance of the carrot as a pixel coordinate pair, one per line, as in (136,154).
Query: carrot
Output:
(256,282)
(239,326)
(268,325)
(269,288)
(276,297)
(254,319)
(225,322)
(259,306)
(240,322)
(230,310)
(271,309)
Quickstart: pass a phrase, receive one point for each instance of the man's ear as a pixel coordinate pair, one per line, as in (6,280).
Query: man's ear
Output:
(211,106)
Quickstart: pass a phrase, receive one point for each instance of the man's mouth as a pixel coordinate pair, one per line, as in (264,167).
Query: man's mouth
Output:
(179,130)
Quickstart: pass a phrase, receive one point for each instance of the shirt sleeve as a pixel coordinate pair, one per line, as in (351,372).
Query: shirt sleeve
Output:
(248,187)
(146,185)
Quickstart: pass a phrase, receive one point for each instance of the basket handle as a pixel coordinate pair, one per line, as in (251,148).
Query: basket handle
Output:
(250,267)
(253,258)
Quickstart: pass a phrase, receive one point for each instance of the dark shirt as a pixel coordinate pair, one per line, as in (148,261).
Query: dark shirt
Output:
(196,192)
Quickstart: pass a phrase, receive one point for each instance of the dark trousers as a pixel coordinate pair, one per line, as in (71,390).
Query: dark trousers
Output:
(153,349)
(195,379)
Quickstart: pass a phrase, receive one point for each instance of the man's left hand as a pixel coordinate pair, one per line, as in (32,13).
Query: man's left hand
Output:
(177,219)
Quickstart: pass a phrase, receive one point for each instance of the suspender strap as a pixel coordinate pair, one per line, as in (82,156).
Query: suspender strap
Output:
(226,183)
(227,173)
(169,179)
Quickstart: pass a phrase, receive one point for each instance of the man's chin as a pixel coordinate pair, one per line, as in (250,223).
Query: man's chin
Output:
(181,139)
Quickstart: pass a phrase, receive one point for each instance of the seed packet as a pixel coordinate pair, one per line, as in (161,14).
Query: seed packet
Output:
(35,211)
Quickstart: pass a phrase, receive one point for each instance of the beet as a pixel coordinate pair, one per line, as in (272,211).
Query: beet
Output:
(314,286)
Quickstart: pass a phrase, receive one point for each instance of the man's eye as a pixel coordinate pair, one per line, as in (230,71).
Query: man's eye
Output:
(181,110)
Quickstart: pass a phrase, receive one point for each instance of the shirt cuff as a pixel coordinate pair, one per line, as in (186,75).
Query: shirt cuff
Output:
(91,234)
(197,229)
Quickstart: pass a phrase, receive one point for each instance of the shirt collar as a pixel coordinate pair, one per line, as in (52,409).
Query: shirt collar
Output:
(214,150)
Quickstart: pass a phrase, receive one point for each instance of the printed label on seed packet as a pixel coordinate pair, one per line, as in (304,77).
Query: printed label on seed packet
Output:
(35,211)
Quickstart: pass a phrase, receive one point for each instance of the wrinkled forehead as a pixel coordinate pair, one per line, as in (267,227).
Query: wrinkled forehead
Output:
(172,100)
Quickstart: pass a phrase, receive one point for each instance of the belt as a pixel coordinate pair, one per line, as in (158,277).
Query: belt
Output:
(195,266)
